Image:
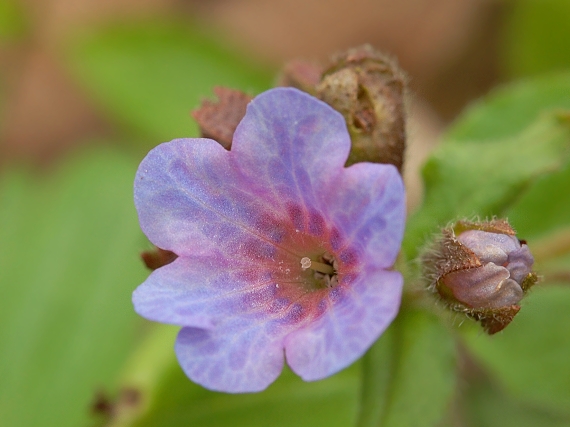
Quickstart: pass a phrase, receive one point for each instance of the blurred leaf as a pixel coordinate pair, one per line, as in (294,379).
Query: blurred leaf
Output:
(536,37)
(150,76)
(485,177)
(169,398)
(530,358)
(545,207)
(331,402)
(508,110)
(409,374)
(488,157)
(486,405)
(68,264)
(12,20)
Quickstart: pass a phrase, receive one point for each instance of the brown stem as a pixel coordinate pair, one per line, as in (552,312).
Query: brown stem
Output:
(557,277)
(552,246)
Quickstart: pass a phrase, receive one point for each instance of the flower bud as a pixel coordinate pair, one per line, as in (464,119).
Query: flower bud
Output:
(367,87)
(480,269)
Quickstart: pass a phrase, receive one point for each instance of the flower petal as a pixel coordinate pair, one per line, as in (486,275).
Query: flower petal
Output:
(286,150)
(176,294)
(488,286)
(368,203)
(175,193)
(489,247)
(235,361)
(207,292)
(354,320)
(292,144)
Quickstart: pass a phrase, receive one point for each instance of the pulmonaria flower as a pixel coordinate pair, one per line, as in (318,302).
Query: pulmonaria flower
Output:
(481,269)
(282,251)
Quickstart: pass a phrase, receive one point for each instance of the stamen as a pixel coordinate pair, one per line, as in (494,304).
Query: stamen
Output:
(306,262)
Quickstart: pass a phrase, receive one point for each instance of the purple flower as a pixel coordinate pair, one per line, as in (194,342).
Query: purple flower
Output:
(282,251)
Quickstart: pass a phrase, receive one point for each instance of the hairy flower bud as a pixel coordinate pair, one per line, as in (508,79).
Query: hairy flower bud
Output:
(480,269)
(367,87)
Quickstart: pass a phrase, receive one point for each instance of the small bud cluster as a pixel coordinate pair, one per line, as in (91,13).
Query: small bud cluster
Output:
(480,269)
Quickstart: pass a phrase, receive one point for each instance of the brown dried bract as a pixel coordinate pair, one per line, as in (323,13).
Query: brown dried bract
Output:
(218,120)
(128,399)
(495,320)
(157,258)
(452,255)
(495,225)
(102,404)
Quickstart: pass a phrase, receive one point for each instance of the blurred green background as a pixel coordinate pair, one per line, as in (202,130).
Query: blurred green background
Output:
(88,87)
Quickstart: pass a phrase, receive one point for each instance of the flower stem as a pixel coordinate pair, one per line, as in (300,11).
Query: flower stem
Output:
(557,277)
(377,370)
(552,246)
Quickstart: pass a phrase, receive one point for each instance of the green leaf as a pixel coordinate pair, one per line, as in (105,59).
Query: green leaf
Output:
(150,76)
(530,358)
(536,37)
(485,177)
(409,374)
(490,156)
(69,248)
(508,110)
(169,398)
(486,405)
(545,207)
(12,20)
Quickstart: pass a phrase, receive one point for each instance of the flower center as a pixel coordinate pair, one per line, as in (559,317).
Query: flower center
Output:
(324,269)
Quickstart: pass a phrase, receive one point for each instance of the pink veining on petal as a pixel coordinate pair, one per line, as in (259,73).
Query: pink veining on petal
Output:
(279,285)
